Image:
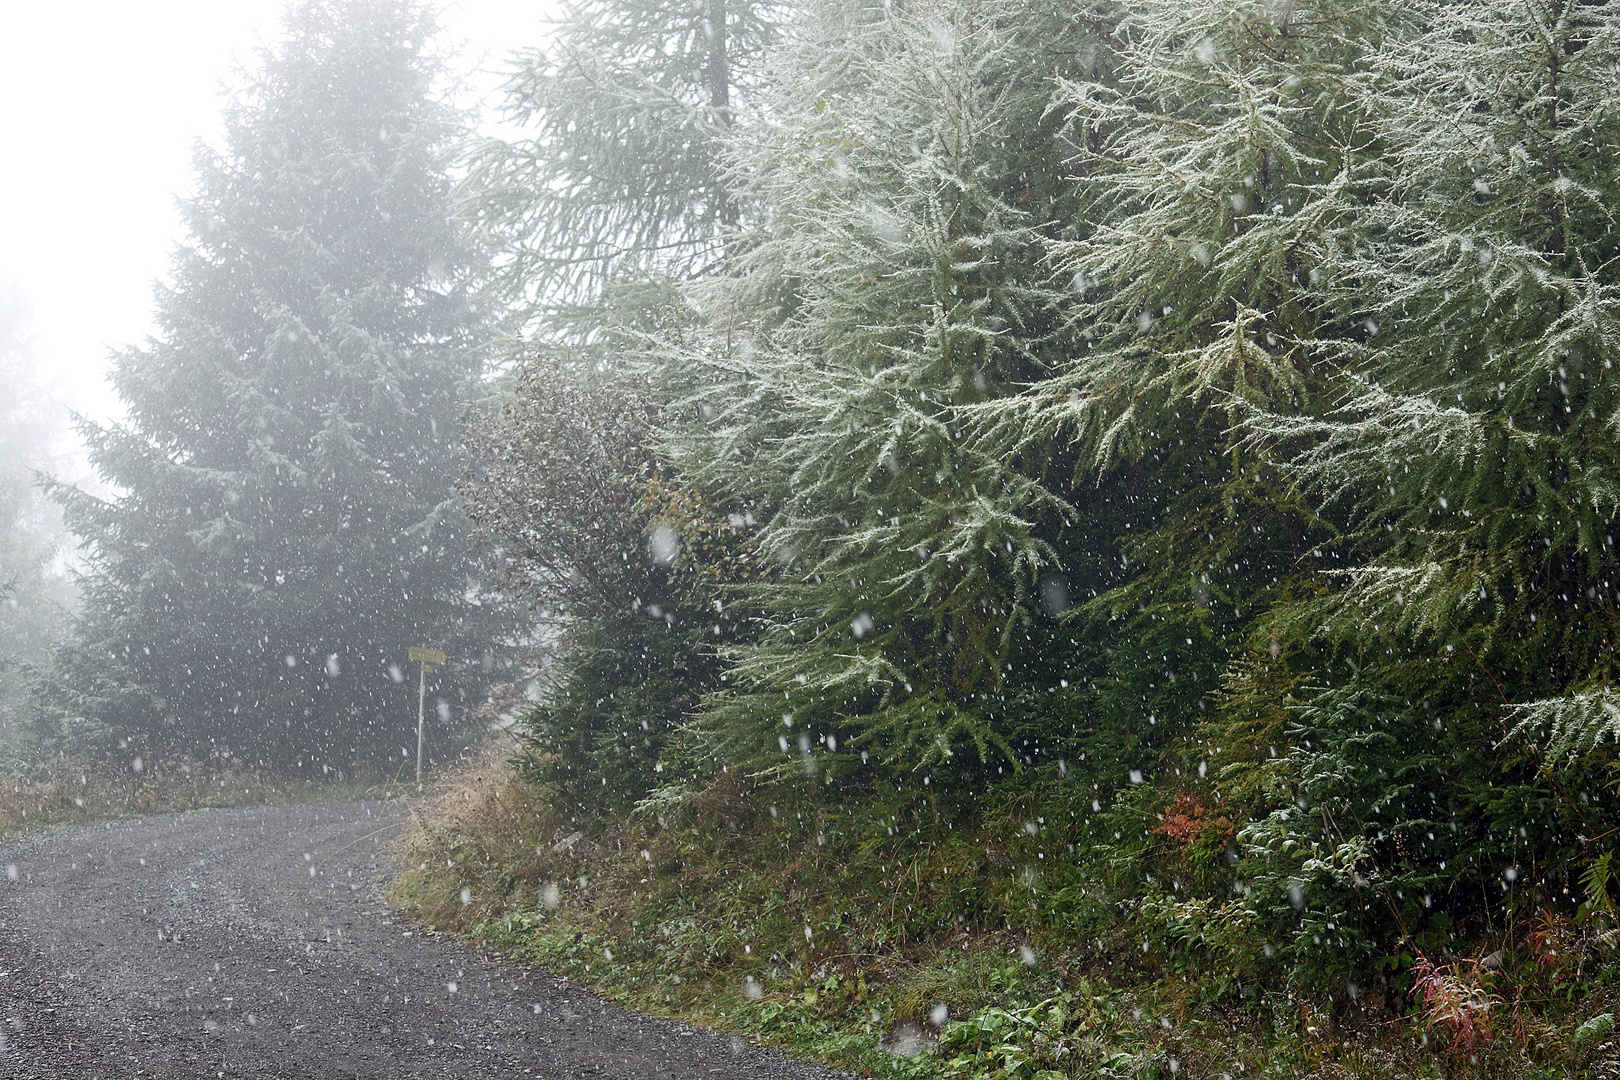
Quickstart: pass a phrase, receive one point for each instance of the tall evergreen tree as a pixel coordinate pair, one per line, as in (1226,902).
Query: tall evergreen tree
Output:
(282,527)
(1211,156)
(1475,446)
(1224,170)
(1407,314)
(618,178)
(908,160)
(1463,657)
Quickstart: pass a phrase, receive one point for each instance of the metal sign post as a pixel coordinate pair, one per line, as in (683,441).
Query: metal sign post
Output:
(429,659)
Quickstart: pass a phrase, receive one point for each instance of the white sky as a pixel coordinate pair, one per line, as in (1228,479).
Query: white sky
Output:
(100,104)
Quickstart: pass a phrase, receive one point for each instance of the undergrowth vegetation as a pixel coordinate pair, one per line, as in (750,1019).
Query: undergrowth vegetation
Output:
(908,937)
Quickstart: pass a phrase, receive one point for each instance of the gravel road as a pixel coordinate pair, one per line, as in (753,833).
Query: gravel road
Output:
(255,942)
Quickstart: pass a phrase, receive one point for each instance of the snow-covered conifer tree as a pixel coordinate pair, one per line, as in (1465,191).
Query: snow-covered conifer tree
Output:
(1462,455)
(906,168)
(1218,161)
(1474,447)
(280,528)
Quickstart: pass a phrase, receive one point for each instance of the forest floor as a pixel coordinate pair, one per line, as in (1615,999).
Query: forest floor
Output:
(255,941)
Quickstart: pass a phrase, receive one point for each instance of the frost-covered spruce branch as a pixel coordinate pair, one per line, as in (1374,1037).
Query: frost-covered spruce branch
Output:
(1477,390)
(910,175)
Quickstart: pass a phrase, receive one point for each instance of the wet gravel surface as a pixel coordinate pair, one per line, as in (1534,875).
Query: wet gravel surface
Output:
(255,942)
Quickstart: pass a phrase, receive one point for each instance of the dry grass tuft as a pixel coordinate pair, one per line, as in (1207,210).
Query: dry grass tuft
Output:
(42,793)
(482,826)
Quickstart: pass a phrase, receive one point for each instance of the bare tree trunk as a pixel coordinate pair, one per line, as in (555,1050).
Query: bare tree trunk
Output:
(719,80)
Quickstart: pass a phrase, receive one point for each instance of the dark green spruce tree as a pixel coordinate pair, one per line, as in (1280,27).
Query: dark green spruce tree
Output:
(1467,718)
(283,525)
(896,290)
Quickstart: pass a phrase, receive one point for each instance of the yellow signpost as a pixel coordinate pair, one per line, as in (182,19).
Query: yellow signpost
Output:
(429,659)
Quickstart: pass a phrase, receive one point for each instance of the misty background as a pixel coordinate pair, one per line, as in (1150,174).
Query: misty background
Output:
(105,103)
(108,105)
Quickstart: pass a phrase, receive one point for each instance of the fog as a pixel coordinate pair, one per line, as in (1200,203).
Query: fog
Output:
(104,103)
(107,106)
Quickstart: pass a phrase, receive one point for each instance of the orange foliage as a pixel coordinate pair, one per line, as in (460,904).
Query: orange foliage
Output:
(1188,819)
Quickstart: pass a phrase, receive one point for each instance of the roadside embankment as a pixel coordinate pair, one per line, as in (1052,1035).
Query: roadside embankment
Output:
(883,940)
